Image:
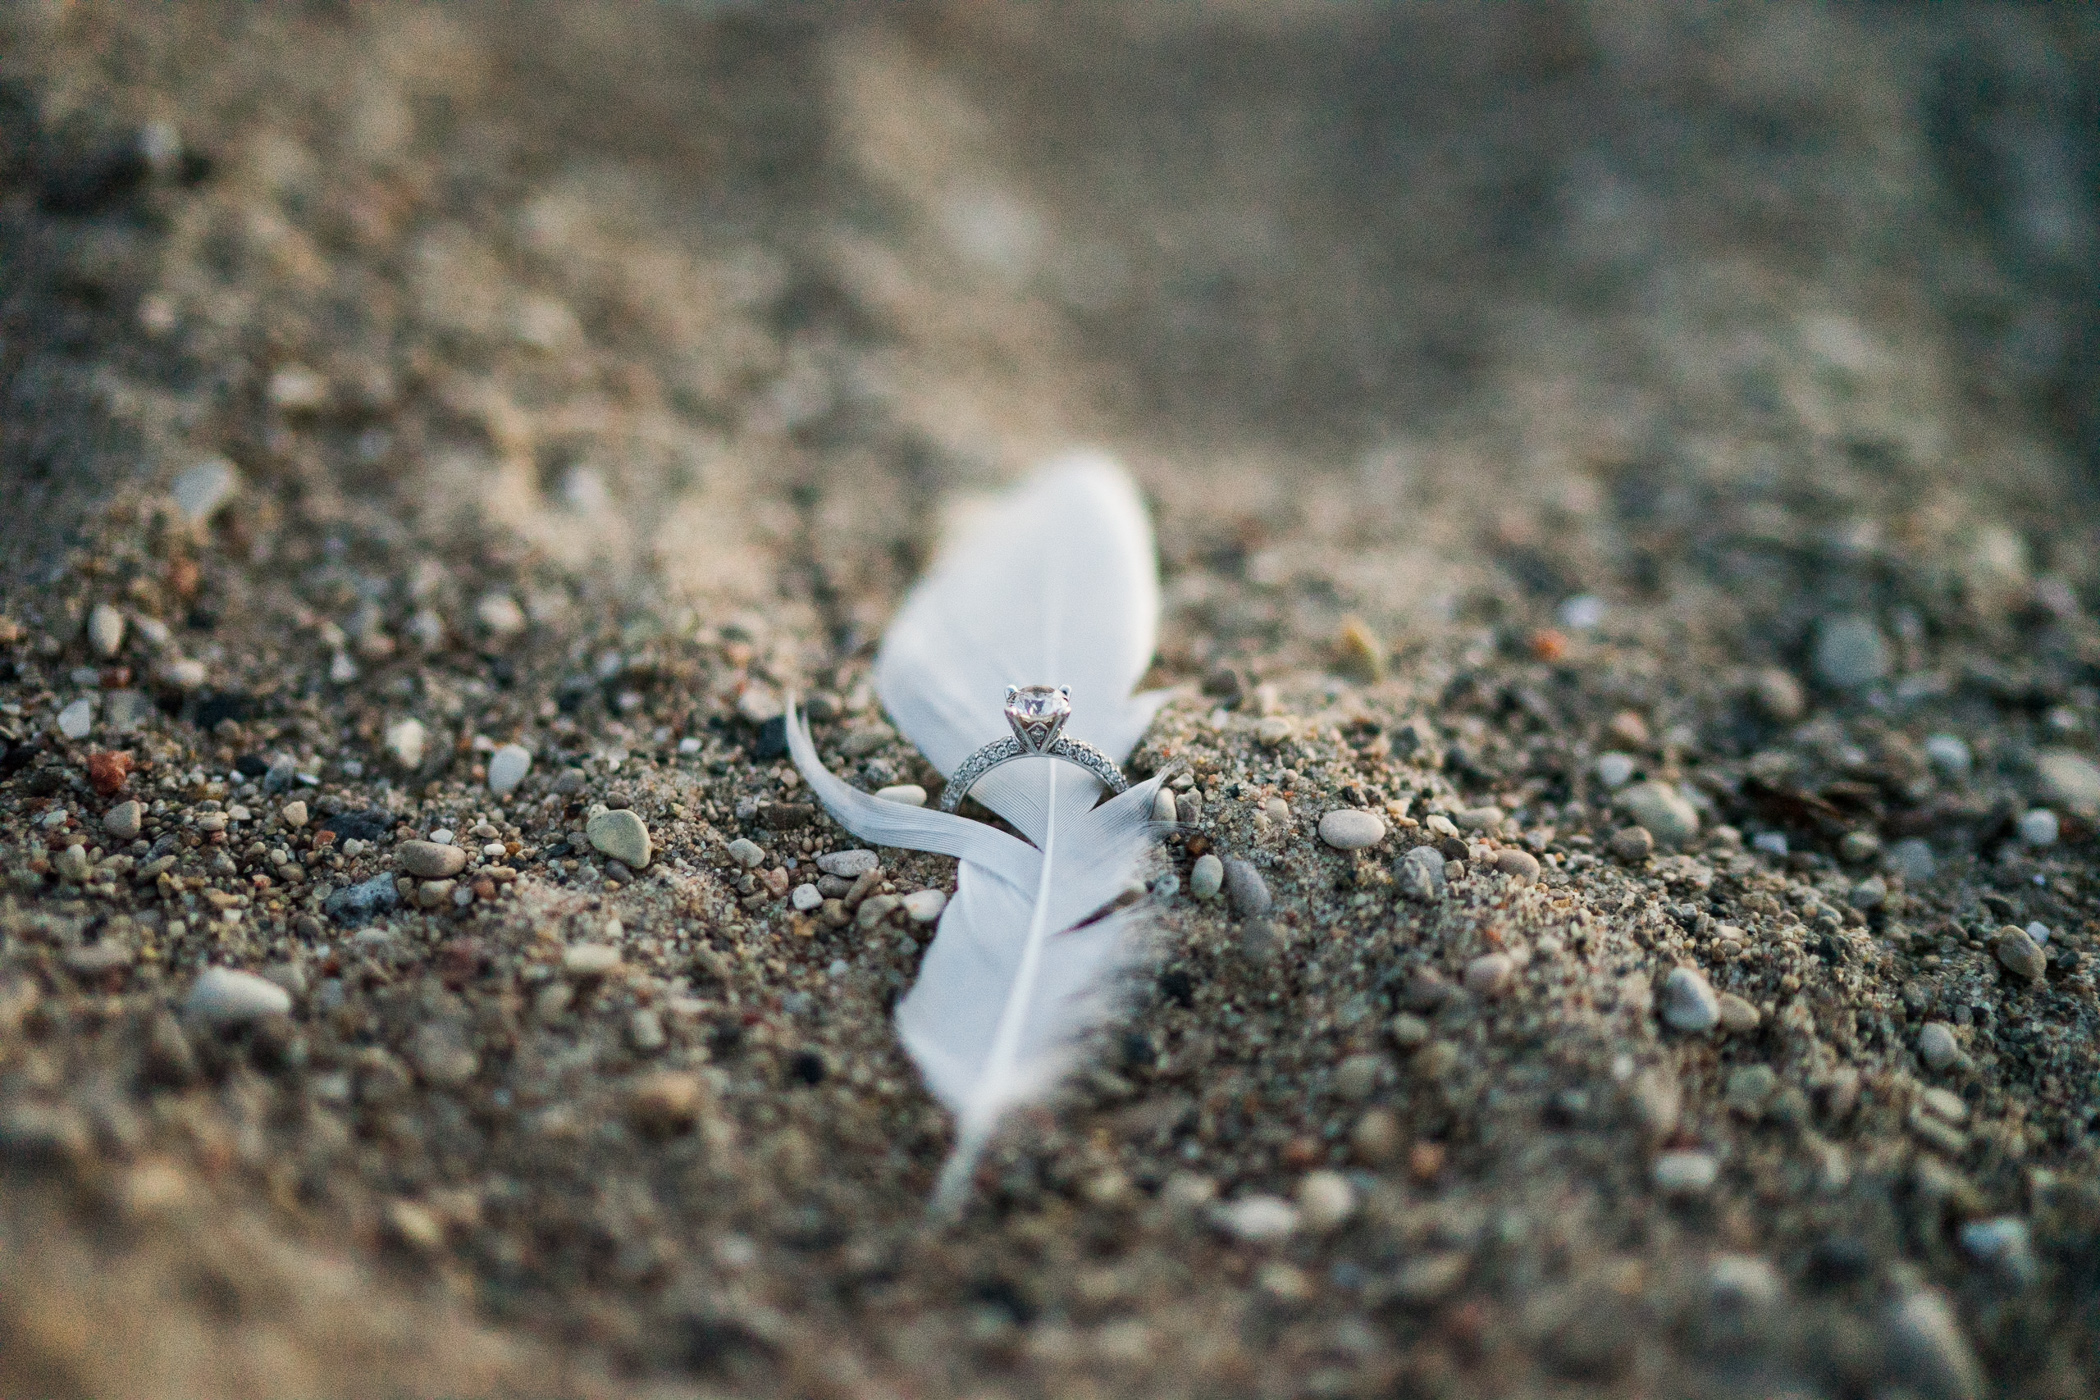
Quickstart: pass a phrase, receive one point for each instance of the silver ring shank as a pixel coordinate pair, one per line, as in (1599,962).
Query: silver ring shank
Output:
(1073,751)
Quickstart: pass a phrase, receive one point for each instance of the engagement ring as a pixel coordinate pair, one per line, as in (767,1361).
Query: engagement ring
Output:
(1037,714)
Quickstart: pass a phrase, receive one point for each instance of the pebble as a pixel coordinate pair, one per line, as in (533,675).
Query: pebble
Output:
(1356,1078)
(1632,843)
(431,860)
(1685,1174)
(95,959)
(1927,1351)
(645,1031)
(874,909)
(76,719)
(1257,1219)
(2038,827)
(925,906)
(183,672)
(1738,1015)
(621,835)
(499,615)
(125,820)
(1489,974)
(2020,955)
(586,961)
(805,898)
(1377,1138)
(1749,1089)
(1246,890)
(405,740)
(1325,1200)
(568,782)
(2070,779)
(1668,816)
(1913,860)
(360,902)
(1429,1278)
(1163,809)
(508,766)
(1850,652)
(746,852)
(1615,770)
(200,491)
(293,814)
(2039,932)
(105,630)
(72,863)
(667,1102)
(1478,818)
(1869,894)
(1582,613)
(910,794)
(2003,1243)
(1420,874)
(1521,866)
(848,865)
(1778,695)
(1350,829)
(1949,755)
(1272,731)
(225,996)
(1208,877)
(1688,1001)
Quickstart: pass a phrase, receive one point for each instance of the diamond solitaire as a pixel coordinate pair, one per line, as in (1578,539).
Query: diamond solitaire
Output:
(1038,714)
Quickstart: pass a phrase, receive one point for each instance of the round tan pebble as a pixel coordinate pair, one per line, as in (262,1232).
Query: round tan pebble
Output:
(1489,974)
(430,860)
(1738,1016)
(2020,955)
(1350,829)
(1376,1138)
(1521,866)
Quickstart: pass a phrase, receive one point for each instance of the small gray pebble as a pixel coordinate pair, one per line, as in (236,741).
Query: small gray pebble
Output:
(622,835)
(1663,810)
(1850,652)
(1912,859)
(2020,955)
(1420,874)
(746,852)
(805,898)
(508,767)
(1927,1351)
(1937,1046)
(848,864)
(2038,827)
(1688,1001)
(360,902)
(1245,888)
(1615,770)
(125,820)
(1351,829)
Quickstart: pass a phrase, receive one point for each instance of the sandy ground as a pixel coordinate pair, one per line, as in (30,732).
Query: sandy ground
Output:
(1643,453)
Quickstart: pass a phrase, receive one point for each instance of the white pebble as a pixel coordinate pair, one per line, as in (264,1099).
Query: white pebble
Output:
(76,719)
(910,794)
(405,740)
(2038,827)
(1582,612)
(225,996)
(1163,806)
(499,615)
(1912,859)
(587,960)
(1771,843)
(1615,770)
(805,898)
(508,767)
(1350,829)
(1325,1200)
(200,491)
(1258,1219)
(1686,1173)
(924,906)
(1208,877)
(105,630)
(2039,932)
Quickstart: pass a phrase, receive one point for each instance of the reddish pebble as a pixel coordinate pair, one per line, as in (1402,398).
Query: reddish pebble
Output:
(1548,645)
(108,772)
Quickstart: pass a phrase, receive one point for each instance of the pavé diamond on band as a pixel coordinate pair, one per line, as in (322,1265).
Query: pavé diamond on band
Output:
(1037,714)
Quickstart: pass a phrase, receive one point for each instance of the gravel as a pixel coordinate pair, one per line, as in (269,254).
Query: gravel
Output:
(1664,812)
(430,860)
(225,996)
(1206,877)
(1245,889)
(508,766)
(622,835)
(1850,652)
(849,865)
(1347,829)
(1420,874)
(1688,1002)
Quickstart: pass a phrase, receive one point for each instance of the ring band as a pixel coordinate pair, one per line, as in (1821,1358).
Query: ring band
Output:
(1037,714)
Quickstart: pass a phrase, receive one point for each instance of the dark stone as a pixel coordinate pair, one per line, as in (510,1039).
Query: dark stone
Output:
(807,1067)
(785,816)
(368,825)
(360,903)
(1837,1260)
(251,765)
(1246,889)
(222,705)
(1177,986)
(772,740)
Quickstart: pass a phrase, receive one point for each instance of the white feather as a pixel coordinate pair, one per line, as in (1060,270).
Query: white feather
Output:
(1056,585)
